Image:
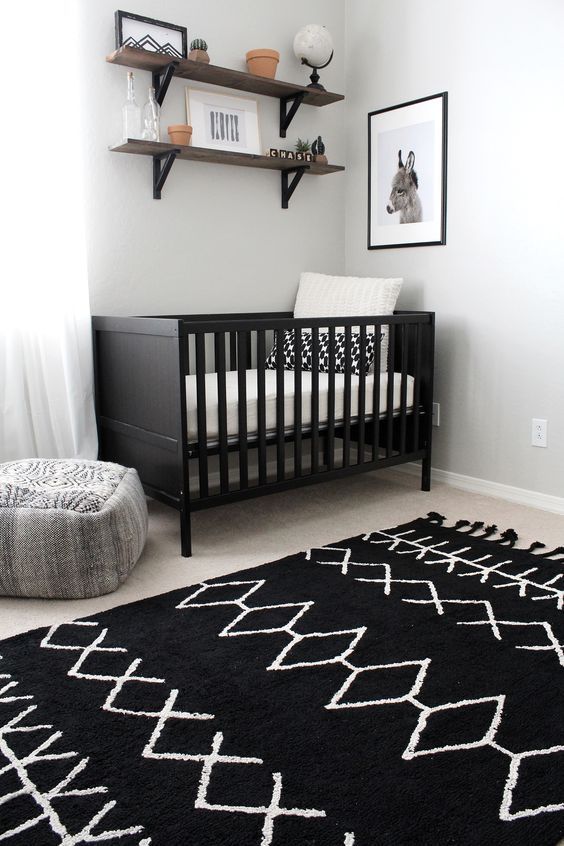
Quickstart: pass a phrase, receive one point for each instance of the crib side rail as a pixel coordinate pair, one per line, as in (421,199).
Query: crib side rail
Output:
(287,434)
(141,401)
(284,320)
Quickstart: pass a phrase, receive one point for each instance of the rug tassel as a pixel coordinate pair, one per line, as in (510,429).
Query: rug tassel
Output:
(509,536)
(479,524)
(489,531)
(434,517)
(461,523)
(536,545)
(559,551)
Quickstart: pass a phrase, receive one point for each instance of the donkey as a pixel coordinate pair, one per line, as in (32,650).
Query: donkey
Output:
(404,197)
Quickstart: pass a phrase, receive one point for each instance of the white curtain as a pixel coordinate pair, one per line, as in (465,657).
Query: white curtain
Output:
(46,403)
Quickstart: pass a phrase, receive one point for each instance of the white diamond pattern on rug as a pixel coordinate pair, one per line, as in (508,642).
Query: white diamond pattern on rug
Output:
(252,616)
(420,671)
(242,592)
(518,764)
(485,738)
(415,748)
(339,657)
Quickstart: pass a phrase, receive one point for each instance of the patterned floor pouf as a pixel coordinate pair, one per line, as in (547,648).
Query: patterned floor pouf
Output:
(69,529)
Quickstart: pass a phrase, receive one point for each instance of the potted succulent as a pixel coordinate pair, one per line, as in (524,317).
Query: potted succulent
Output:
(263,62)
(318,150)
(198,51)
(303,146)
(303,150)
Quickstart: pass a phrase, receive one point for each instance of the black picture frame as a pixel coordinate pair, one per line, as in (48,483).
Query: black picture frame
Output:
(165,48)
(394,133)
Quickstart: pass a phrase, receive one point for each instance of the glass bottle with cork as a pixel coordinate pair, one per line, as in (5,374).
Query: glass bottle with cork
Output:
(131,113)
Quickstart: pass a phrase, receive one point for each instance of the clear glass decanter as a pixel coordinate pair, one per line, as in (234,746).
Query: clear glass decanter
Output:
(131,112)
(151,119)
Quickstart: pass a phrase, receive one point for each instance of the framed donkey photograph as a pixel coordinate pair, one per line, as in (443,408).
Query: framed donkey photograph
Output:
(407,166)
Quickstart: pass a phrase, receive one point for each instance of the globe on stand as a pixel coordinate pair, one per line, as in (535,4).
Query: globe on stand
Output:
(313,45)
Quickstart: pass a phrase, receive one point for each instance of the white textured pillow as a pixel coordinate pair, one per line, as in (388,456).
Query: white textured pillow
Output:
(320,295)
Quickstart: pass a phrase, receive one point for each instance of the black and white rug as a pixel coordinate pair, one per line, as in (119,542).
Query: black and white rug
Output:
(403,687)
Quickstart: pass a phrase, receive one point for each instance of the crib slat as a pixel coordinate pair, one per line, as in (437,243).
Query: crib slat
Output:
(347,400)
(233,350)
(376,391)
(315,400)
(390,392)
(298,403)
(403,389)
(280,450)
(261,405)
(186,342)
(361,395)
(331,402)
(222,411)
(201,410)
(242,409)
(417,386)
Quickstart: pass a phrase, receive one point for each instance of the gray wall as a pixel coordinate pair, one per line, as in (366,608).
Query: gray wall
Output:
(218,240)
(497,286)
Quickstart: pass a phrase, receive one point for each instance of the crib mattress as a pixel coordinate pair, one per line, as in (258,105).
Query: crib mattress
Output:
(232,395)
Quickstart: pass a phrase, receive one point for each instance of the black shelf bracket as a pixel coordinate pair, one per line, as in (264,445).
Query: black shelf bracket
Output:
(161,169)
(161,81)
(288,187)
(287,114)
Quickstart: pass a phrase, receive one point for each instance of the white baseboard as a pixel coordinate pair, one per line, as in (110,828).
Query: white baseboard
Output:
(534,499)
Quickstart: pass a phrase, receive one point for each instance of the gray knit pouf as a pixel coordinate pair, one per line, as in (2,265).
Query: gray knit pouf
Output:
(68,529)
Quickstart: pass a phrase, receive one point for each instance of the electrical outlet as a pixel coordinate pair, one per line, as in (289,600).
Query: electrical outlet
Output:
(539,432)
(436,414)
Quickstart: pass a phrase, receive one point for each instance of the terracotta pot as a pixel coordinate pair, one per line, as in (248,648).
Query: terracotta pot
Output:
(263,62)
(320,159)
(199,56)
(180,133)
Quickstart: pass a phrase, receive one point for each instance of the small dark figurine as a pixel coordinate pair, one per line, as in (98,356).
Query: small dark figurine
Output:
(318,150)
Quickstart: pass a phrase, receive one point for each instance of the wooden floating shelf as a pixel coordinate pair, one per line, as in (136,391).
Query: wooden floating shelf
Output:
(291,96)
(215,75)
(203,154)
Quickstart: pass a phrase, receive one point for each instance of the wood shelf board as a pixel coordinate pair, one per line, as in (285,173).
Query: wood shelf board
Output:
(216,75)
(203,154)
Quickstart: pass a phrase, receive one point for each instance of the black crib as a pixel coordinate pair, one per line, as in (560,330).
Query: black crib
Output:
(141,365)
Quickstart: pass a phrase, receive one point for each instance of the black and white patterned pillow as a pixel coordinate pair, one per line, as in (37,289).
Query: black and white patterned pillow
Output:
(289,352)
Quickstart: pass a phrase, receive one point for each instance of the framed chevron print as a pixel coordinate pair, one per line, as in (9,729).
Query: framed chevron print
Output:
(150,34)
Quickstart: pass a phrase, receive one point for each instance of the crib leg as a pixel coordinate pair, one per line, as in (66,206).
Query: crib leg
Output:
(426,474)
(185,534)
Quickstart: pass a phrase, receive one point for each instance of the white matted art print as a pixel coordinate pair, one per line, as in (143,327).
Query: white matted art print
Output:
(407,152)
(222,122)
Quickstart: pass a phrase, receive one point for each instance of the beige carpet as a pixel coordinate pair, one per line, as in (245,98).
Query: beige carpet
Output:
(250,533)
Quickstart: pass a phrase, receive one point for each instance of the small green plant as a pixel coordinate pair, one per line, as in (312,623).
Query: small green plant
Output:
(303,146)
(199,44)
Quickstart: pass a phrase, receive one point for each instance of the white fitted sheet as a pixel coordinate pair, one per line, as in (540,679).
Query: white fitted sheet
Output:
(232,394)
